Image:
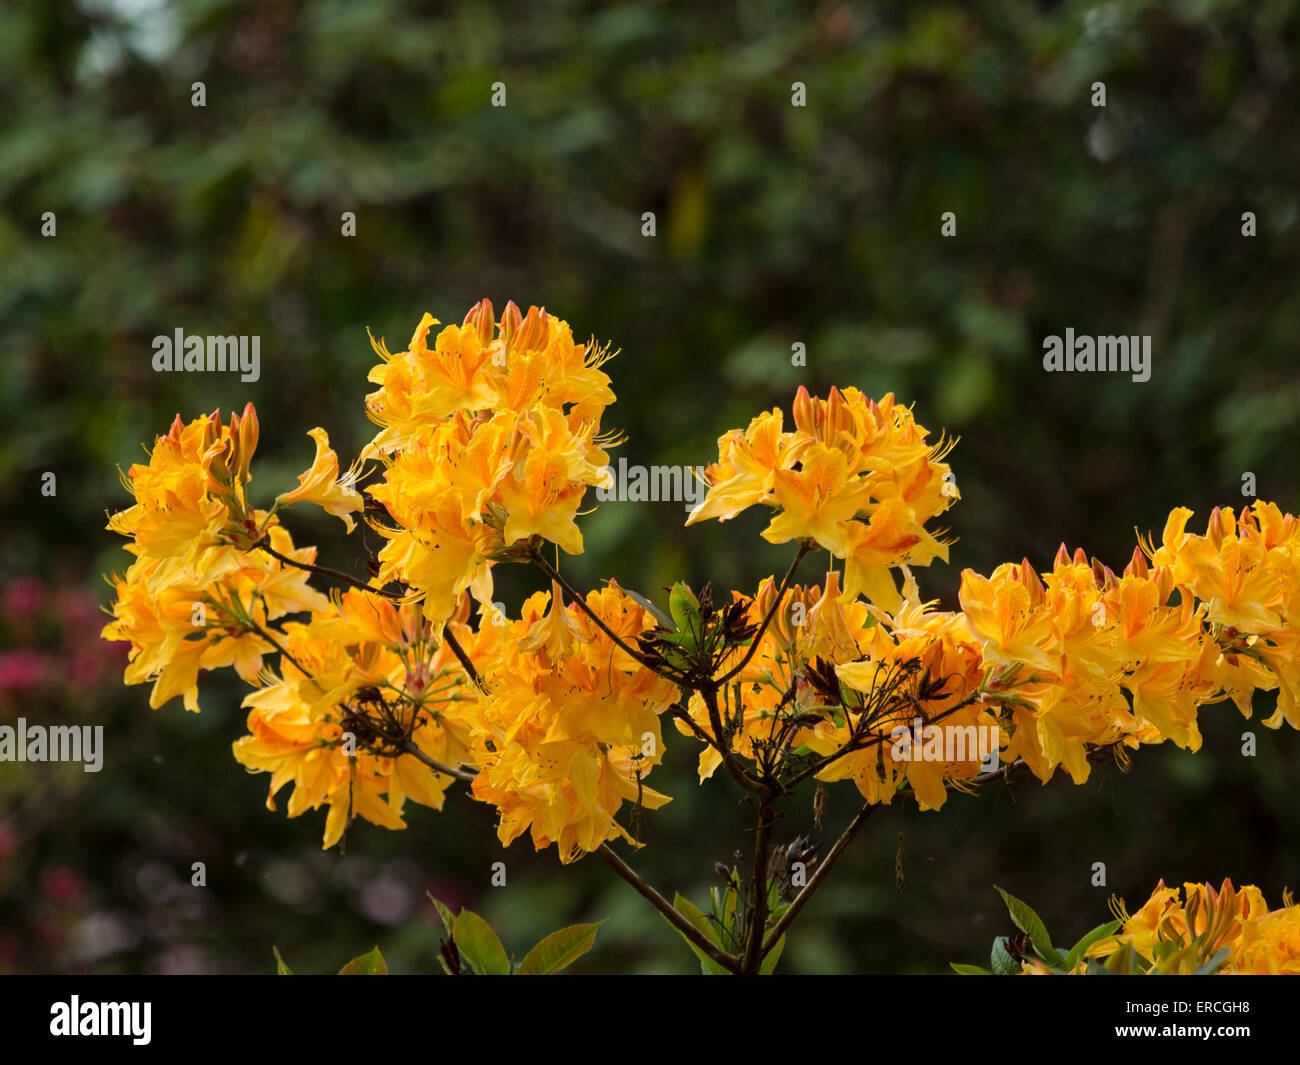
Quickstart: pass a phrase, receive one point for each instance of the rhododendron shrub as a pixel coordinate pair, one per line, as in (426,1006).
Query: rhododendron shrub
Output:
(411,684)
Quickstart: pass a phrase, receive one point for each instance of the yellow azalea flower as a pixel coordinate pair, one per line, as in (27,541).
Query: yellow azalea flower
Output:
(444,557)
(1007,612)
(181,618)
(1077,642)
(175,515)
(550,476)
(866,483)
(1178,931)
(522,362)
(563,742)
(746,470)
(817,501)
(1269,944)
(489,438)
(322,485)
(1246,572)
(556,633)
(916,643)
(357,649)
(875,548)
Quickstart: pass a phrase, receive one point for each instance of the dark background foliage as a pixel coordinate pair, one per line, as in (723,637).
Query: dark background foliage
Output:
(776,225)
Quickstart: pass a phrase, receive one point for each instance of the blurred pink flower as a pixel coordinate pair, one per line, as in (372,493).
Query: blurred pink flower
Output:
(77,609)
(23,597)
(88,665)
(61,883)
(24,668)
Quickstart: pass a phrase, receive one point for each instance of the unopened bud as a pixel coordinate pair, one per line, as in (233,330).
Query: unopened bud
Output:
(248,435)
(511,320)
(837,416)
(805,412)
(533,331)
(1137,566)
(1216,529)
(1102,574)
(480,319)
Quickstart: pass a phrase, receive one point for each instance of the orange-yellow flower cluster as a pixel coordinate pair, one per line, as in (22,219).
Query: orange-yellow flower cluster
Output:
(1246,571)
(1175,931)
(490,436)
(897,674)
(198,589)
(1089,658)
(940,671)
(360,680)
(856,476)
(569,729)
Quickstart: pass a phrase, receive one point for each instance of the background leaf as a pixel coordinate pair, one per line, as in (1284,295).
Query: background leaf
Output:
(1024,918)
(480,946)
(369,964)
(559,950)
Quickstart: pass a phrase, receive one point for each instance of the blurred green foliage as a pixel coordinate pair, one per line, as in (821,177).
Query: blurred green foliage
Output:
(775,225)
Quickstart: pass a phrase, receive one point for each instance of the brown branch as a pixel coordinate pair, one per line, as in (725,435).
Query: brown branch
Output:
(753,956)
(710,696)
(771,613)
(674,916)
(871,741)
(581,603)
(410,748)
(463,658)
(681,713)
(276,644)
(841,844)
(326,571)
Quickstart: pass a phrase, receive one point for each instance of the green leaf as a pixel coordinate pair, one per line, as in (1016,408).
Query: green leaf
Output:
(774,956)
(688,909)
(559,950)
(445,915)
(1001,960)
(707,965)
(479,945)
(685,610)
(1024,918)
(280,968)
(645,604)
(1100,932)
(1122,961)
(692,913)
(370,964)
(969,970)
(1212,965)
